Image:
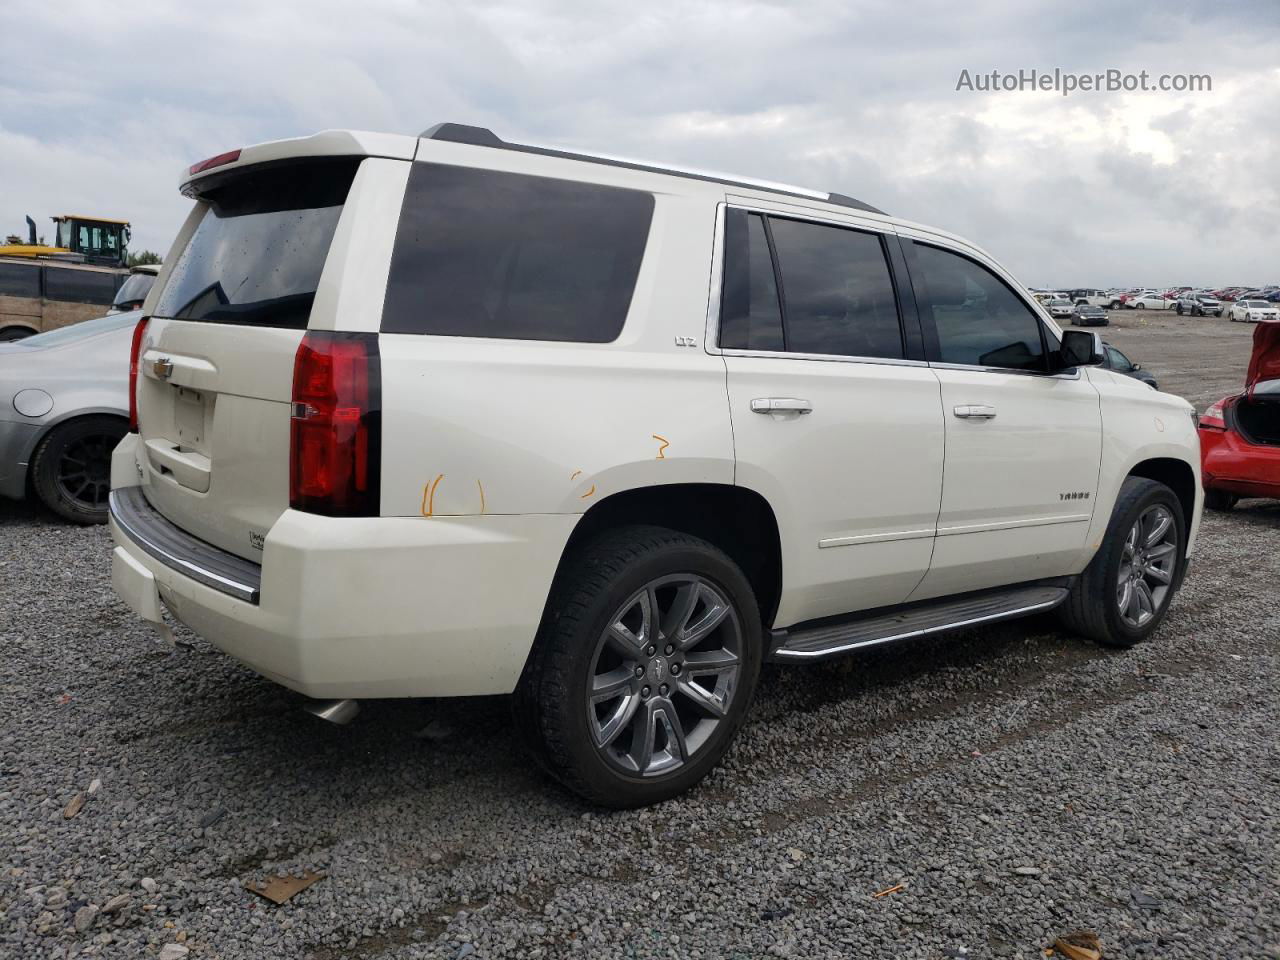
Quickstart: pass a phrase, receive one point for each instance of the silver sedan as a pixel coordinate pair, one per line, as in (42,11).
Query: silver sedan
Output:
(64,405)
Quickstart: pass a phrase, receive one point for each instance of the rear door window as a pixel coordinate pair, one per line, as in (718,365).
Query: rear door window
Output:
(256,256)
(750,315)
(19,280)
(482,253)
(837,292)
(79,286)
(978,320)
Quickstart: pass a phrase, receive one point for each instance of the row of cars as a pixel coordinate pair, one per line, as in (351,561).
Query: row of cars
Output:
(1237,303)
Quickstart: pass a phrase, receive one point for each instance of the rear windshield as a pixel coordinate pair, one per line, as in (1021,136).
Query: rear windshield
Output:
(255,259)
(481,253)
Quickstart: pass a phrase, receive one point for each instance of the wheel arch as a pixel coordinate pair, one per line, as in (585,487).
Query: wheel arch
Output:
(9,328)
(1177,475)
(737,520)
(47,428)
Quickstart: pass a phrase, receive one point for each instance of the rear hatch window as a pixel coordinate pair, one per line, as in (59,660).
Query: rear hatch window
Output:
(255,258)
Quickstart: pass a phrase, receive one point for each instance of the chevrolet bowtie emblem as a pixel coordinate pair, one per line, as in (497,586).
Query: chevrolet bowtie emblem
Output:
(162,368)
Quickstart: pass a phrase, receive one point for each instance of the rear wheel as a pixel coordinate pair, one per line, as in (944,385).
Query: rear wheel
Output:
(1220,500)
(1125,592)
(644,666)
(71,469)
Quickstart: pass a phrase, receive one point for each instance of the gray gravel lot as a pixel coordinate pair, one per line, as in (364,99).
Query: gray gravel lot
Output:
(1017,782)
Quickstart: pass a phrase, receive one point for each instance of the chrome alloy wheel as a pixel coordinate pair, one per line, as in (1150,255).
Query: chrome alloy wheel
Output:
(663,674)
(1147,565)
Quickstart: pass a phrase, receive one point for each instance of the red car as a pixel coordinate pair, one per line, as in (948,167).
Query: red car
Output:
(1240,435)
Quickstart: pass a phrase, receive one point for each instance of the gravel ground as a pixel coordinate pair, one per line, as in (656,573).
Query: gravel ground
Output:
(1018,783)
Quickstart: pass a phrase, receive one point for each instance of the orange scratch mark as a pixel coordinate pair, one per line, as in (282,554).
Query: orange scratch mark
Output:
(575,475)
(481,486)
(588,493)
(429,495)
(665,443)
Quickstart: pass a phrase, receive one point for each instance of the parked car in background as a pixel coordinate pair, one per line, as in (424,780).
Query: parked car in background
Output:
(1085,315)
(1149,300)
(1117,361)
(1198,305)
(1095,298)
(1240,434)
(134,290)
(514,442)
(64,405)
(1060,309)
(1254,311)
(39,295)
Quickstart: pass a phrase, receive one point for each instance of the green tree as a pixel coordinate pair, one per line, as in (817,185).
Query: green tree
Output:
(142,257)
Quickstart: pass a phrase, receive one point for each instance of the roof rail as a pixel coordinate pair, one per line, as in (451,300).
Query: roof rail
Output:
(484,137)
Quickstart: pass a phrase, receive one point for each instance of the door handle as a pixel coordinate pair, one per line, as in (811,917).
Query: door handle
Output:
(975,411)
(780,405)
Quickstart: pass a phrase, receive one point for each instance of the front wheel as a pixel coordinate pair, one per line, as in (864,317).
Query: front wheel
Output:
(1141,306)
(1125,592)
(643,668)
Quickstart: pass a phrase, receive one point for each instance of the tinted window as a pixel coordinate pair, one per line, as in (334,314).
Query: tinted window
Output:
(135,288)
(481,253)
(256,256)
(79,286)
(750,318)
(978,319)
(1117,360)
(19,280)
(836,291)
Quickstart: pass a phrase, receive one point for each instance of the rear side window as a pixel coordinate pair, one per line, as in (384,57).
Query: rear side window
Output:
(480,253)
(836,291)
(979,321)
(751,318)
(256,256)
(79,286)
(19,280)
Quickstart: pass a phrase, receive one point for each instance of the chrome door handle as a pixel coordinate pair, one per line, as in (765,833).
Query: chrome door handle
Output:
(975,411)
(780,405)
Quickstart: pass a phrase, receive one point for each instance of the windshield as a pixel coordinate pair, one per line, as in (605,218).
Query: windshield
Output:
(135,288)
(1059,303)
(257,254)
(80,331)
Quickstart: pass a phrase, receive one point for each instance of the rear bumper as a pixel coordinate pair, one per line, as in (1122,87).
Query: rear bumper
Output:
(1231,465)
(363,607)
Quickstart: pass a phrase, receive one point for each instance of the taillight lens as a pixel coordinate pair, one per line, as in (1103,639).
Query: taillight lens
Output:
(1215,417)
(135,353)
(336,430)
(222,159)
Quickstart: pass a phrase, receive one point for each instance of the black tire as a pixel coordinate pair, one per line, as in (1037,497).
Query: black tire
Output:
(71,468)
(1178,308)
(1091,609)
(1141,306)
(13,334)
(551,700)
(1220,500)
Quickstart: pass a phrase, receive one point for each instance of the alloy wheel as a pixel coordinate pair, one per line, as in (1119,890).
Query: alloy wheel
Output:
(663,675)
(84,471)
(1147,564)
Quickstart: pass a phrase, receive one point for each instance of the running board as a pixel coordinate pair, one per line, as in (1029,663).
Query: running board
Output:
(949,613)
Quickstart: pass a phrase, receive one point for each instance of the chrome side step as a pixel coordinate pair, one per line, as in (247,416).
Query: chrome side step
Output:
(950,613)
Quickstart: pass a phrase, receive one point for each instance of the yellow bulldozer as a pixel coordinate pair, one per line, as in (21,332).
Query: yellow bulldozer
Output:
(80,239)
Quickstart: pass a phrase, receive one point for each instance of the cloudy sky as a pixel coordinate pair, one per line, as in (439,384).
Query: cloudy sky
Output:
(101,105)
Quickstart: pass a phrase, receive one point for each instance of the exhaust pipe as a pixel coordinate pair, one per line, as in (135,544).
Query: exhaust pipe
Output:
(340,712)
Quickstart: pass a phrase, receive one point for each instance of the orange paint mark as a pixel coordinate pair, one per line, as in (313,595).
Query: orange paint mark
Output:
(588,493)
(661,450)
(481,486)
(575,475)
(429,495)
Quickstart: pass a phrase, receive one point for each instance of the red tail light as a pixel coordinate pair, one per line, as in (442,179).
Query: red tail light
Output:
(335,436)
(1215,417)
(135,350)
(231,156)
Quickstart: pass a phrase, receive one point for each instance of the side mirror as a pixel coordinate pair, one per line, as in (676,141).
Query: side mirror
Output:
(1081,348)
(1136,366)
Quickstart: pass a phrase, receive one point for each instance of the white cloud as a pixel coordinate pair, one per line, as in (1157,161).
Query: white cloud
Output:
(100,107)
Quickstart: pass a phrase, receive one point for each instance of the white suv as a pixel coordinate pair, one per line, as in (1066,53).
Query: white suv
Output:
(446,415)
